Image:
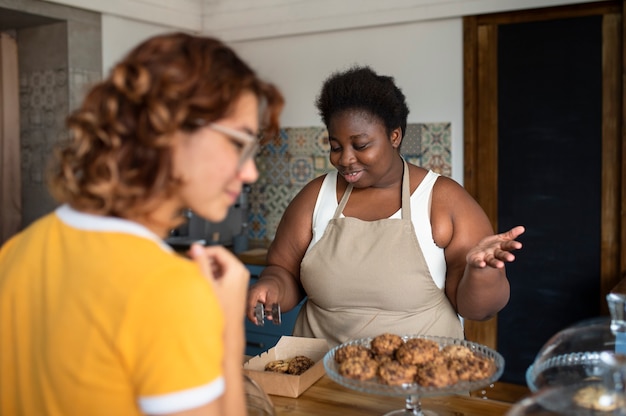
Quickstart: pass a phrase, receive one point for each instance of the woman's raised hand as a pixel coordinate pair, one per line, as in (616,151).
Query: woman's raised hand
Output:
(495,250)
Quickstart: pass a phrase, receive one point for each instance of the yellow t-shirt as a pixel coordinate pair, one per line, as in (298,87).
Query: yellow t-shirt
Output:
(99,317)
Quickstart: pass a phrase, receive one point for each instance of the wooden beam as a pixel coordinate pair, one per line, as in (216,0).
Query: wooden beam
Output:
(612,70)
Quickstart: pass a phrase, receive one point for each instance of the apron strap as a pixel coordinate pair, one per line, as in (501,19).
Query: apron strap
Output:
(406,192)
(343,202)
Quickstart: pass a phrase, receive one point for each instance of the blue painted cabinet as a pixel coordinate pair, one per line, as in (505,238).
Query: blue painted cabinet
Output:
(262,338)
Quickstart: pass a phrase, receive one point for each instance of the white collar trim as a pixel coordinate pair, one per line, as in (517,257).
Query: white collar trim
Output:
(91,222)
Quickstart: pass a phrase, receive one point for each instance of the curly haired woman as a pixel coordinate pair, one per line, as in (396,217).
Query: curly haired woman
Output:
(97,315)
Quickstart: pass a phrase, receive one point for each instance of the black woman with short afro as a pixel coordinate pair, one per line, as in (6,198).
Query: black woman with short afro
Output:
(379,245)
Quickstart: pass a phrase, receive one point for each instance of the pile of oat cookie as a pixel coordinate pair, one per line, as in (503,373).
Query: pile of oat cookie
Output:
(294,366)
(392,360)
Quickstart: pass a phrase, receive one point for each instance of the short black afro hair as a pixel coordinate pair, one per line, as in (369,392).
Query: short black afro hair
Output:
(360,88)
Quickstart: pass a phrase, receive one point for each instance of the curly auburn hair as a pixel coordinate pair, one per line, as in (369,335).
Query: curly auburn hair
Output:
(360,88)
(118,161)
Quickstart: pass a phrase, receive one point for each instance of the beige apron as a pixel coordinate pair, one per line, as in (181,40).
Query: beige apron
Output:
(363,278)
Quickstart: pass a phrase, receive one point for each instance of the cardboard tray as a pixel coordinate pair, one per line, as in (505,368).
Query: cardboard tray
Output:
(286,384)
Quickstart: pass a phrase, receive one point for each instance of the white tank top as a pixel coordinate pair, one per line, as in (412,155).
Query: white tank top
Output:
(327,203)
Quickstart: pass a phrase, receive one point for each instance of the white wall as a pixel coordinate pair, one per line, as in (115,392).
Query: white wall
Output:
(120,35)
(183,14)
(424,58)
(237,20)
(295,45)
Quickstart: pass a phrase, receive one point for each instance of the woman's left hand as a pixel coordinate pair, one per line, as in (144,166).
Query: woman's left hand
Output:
(495,250)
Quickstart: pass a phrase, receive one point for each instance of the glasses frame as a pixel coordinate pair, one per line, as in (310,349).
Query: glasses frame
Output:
(250,144)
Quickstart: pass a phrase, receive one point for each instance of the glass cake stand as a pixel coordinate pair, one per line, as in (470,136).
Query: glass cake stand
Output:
(414,391)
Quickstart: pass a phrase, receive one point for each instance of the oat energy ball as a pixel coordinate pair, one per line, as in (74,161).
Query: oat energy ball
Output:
(299,364)
(457,352)
(396,374)
(358,368)
(476,368)
(393,361)
(417,351)
(348,351)
(386,344)
(435,374)
(277,366)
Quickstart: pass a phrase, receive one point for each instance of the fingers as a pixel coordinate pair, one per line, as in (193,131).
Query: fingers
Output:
(214,260)
(258,294)
(501,254)
(510,242)
(252,316)
(228,277)
(494,255)
(508,246)
(514,232)
(265,292)
(482,260)
(198,255)
(254,296)
(495,251)
(499,258)
(505,241)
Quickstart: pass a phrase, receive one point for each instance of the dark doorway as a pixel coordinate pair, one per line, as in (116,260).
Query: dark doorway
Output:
(549,178)
(543,148)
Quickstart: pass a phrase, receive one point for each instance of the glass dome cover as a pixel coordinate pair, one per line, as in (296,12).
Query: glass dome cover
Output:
(573,355)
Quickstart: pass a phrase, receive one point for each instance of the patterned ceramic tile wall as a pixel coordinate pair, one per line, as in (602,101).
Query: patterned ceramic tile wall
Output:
(43,106)
(46,97)
(300,154)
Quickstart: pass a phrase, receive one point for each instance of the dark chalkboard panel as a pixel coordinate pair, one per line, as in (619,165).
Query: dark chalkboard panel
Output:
(549,179)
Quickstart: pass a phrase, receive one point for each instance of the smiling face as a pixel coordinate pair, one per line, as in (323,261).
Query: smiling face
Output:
(207,162)
(361,150)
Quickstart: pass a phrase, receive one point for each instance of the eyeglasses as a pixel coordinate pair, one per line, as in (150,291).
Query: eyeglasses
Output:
(249,144)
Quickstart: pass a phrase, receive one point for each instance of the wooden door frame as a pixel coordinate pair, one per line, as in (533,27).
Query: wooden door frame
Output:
(481,131)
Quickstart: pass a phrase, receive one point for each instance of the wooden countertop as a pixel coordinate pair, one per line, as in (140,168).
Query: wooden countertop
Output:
(326,397)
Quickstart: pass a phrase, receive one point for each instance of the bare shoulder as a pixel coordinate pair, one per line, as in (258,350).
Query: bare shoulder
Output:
(416,175)
(448,187)
(304,200)
(454,211)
